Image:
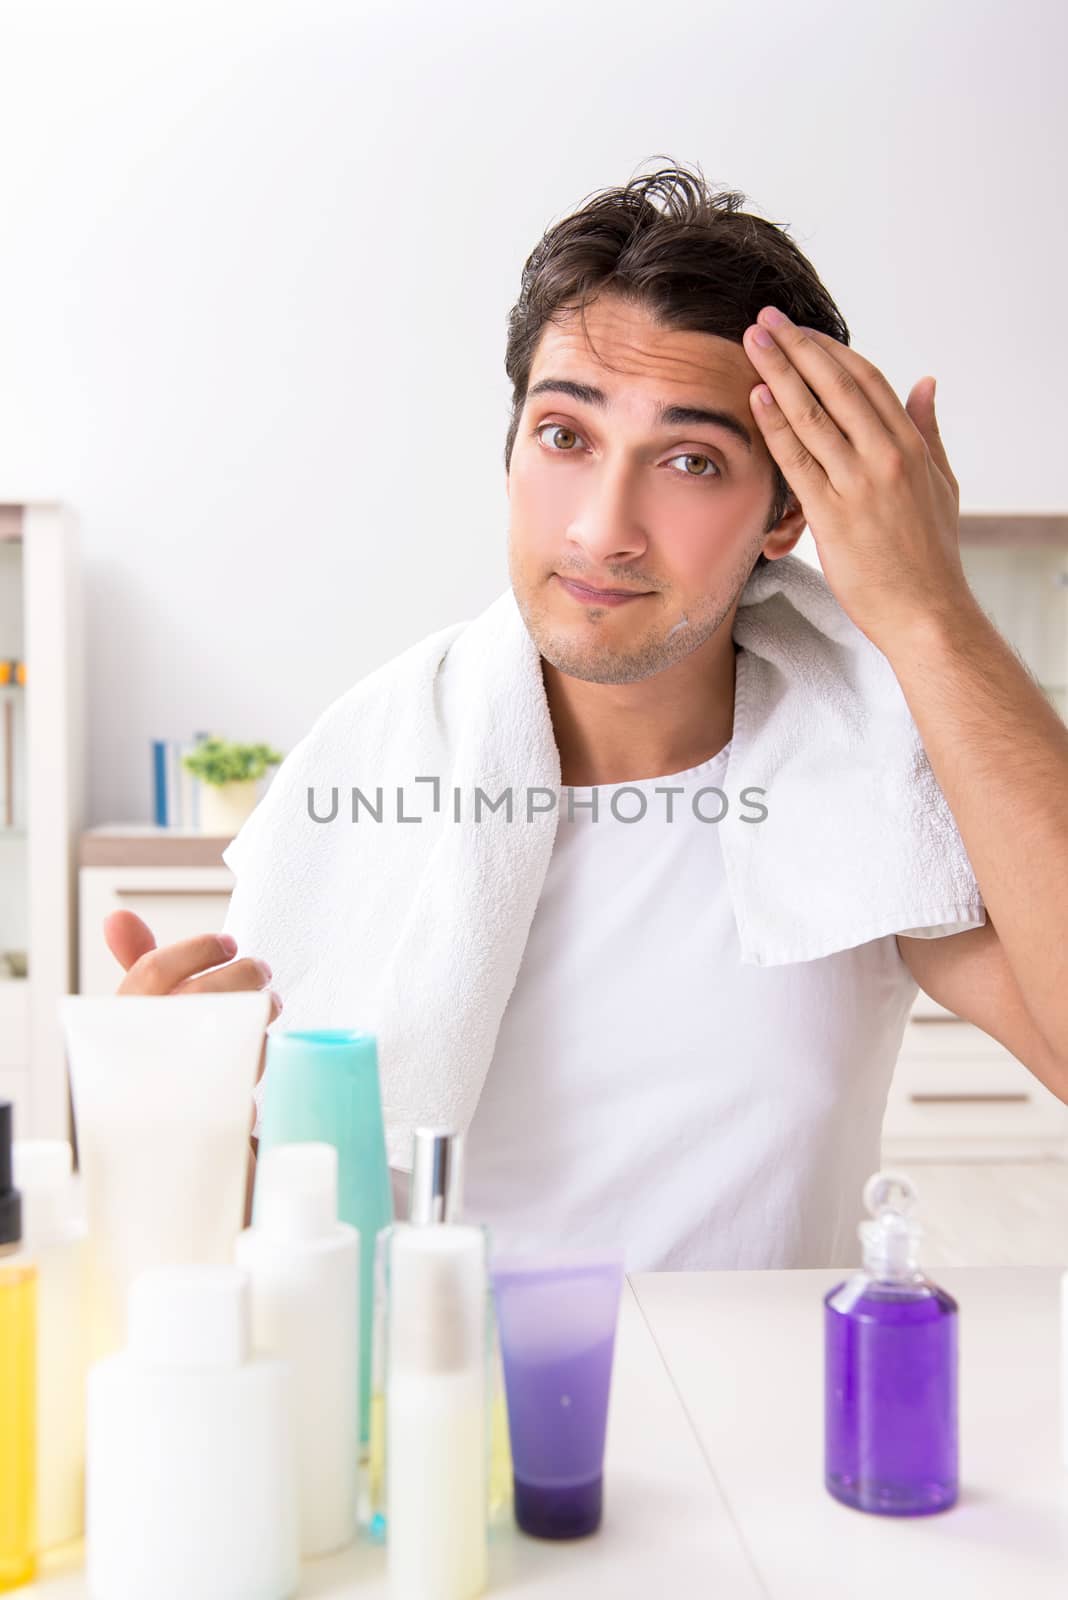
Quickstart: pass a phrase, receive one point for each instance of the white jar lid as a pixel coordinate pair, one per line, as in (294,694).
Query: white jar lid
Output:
(44,1176)
(296,1190)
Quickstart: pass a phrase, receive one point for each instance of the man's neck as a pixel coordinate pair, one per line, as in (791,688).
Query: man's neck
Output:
(612,733)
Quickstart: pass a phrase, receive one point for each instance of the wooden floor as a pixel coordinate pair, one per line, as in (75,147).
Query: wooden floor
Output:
(994,1214)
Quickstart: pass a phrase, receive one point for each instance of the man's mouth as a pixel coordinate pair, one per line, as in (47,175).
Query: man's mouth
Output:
(598,597)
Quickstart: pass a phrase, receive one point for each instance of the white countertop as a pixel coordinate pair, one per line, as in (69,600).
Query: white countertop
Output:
(746,1352)
(714,1461)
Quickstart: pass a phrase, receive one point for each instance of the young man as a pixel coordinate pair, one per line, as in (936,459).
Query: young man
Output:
(685,403)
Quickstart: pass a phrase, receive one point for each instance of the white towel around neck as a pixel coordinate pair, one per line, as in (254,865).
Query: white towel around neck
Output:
(415,930)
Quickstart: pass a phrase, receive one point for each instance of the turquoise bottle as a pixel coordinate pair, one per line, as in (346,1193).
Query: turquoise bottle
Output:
(323,1084)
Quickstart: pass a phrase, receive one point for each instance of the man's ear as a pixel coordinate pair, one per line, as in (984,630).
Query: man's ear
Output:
(786,532)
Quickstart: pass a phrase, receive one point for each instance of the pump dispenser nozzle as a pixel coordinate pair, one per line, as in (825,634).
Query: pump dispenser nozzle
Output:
(437,1176)
(890,1241)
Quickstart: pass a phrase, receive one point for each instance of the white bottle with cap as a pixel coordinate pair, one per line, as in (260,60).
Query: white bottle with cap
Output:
(435,1196)
(436,1412)
(304,1268)
(190,1481)
(56,1233)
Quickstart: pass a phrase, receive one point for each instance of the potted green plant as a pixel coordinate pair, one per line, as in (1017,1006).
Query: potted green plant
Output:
(229,774)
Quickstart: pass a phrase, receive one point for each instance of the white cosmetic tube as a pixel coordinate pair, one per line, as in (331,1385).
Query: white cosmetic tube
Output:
(162,1088)
(304,1268)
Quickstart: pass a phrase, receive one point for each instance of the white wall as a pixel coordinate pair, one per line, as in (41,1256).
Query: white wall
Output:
(256,260)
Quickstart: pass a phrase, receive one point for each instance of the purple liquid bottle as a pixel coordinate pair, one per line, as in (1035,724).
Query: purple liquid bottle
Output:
(891,1370)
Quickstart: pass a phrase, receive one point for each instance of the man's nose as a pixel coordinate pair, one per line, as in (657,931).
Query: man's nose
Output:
(608,525)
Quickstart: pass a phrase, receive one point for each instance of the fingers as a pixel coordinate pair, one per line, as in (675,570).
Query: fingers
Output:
(244,974)
(161,971)
(127,937)
(238,975)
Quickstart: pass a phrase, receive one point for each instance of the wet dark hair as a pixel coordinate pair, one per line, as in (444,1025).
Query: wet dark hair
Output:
(697,262)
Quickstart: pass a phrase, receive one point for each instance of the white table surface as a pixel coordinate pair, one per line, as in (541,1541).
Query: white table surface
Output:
(714,1461)
(746,1351)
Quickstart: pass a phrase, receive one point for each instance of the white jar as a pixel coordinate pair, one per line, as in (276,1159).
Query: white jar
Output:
(304,1269)
(190,1486)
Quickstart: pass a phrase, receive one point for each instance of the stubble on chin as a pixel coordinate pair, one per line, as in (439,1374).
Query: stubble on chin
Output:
(597,659)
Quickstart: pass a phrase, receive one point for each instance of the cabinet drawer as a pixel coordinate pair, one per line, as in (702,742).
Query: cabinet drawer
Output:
(954,1082)
(971,1076)
(966,1097)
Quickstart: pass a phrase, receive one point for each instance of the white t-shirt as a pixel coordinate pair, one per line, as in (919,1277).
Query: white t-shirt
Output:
(649,1092)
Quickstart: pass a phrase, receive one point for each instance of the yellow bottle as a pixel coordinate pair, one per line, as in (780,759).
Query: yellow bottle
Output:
(500,1448)
(18,1381)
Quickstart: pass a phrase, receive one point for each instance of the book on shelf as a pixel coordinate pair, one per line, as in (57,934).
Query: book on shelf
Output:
(175,790)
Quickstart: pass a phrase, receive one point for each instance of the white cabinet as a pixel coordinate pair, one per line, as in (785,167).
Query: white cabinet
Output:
(173,878)
(958,1094)
(42,786)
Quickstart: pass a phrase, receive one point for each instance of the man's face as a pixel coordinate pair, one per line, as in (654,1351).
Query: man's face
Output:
(671,511)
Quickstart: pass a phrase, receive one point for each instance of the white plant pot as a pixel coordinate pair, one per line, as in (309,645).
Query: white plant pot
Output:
(225,807)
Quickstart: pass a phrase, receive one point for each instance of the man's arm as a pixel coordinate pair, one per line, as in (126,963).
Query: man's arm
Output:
(1000,754)
(969,974)
(883,506)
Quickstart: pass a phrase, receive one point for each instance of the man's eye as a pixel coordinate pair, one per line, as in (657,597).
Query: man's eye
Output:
(693,456)
(558,428)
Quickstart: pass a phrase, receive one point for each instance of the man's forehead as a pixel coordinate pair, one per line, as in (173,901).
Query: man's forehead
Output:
(622,348)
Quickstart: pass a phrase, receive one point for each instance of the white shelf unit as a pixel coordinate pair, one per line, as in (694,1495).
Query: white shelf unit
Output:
(41,624)
(958,1094)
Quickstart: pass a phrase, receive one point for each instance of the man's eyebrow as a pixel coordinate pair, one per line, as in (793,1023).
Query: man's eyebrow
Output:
(666,416)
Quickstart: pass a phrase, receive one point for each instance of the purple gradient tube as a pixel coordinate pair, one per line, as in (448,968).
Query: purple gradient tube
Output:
(557,1319)
(891,1372)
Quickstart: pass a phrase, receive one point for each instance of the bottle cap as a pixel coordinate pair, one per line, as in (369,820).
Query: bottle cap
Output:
(890,1240)
(44,1172)
(10,1199)
(438,1290)
(189,1318)
(296,1190)
(436,1185)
